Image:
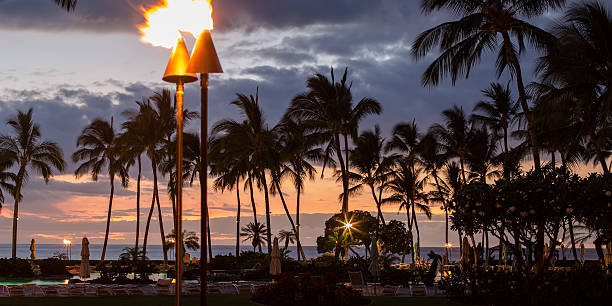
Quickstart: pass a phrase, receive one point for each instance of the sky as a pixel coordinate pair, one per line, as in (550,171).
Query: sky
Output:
(72,68)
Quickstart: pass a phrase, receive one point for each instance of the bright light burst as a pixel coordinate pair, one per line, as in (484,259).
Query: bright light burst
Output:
(67,241)
(165,20)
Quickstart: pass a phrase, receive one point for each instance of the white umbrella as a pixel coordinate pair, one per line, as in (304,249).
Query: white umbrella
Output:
(84,271)
(275,265)
(374,268)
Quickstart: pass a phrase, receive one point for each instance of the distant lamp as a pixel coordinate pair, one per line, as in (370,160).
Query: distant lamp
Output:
(448,245)
(204,60)
(348,225)
(176,72)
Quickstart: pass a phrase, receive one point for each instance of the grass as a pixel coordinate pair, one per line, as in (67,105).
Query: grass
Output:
(214,300)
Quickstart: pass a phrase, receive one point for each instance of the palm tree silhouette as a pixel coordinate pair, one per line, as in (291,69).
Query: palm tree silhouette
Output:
(454,135)
(497,113)
(253,142)
(463,42)
(299,150)
(25,149)
(7,178)
(99,149)
(327,109)
(287,237)
(255,232)
(67,4)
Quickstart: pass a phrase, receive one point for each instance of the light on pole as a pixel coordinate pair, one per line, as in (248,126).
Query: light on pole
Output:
(176,73)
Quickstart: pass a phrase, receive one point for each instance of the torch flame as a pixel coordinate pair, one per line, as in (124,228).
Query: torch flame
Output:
(166,20)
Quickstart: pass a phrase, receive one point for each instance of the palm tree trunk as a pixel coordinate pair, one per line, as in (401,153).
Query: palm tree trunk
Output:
(159,212)
(297,226)
(380,215)
(209,237)
(462,170)
(146,233)
(267,200)
(343,170)
(238,220)
(138,208)
(435,175)
(18,184)
(108,218)
(280,193)
(572,238)
(250,179)
(475,250)
(409,241)
(552,159)
(506,157)
(416,226)
(523,99)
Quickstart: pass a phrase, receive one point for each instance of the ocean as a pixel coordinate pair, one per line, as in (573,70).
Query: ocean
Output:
(154,252)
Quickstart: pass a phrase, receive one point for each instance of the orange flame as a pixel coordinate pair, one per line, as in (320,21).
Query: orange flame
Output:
(166,20)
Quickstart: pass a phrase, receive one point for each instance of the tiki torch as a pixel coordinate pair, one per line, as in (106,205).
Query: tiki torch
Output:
(204,60)
(176,73)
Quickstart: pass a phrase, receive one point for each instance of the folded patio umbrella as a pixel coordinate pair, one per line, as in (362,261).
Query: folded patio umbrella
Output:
(582,253)
(33,250)
(374,268)
(275,265)
(84,271)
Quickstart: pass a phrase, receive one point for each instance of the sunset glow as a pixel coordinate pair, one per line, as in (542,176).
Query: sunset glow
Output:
(166,20)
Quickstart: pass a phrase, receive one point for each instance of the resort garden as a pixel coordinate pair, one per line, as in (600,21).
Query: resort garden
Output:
(509,178)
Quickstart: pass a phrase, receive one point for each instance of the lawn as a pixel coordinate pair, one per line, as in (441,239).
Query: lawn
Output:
(214,300)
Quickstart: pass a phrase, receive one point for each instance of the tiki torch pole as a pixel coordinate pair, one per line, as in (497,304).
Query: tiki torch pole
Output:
(204,60)
(175,73)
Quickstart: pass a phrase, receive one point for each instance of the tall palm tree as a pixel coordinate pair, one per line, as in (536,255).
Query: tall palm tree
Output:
(98,148)
(326,108)
(407,190)
(454,135)
(67,4)
(299,149)
(228,170)
(481,23)
(372,168)
(255,232)
(26,150)
(132,145)
(497,113)
(253,142)
(154,132)
(432,158)
(576,72)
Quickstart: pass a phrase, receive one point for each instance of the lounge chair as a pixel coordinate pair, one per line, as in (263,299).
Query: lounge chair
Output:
(120,290)
(50,290)
(164,286)
(243,288)
(357,281)
(418,290)
(104,291)
(17,291)
(191,289)
(76,291)
(30,289)
(215,289)
(390,290)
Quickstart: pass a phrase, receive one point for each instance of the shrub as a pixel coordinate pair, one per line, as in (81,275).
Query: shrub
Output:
(52,266)
(309,291)
(15,268)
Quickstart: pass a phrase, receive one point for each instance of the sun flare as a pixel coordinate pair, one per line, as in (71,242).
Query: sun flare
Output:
(166,20)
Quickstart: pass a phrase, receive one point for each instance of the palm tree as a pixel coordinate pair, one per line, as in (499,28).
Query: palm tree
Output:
(190,240)
(299,148)
(255,232)
(407,190)
(228,170)
(432,158)
(454,135)
(67,4)
(372,167)
(497,113)
(575,72)
(253,143)
(327,109)
(25,149)
(463,42)
(98,148)
(132,145)
(154,131)
(287,236)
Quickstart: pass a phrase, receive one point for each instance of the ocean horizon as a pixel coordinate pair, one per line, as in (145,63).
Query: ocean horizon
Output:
(154,252)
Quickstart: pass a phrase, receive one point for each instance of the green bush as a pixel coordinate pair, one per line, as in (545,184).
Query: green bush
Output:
(15,268)
(52,266)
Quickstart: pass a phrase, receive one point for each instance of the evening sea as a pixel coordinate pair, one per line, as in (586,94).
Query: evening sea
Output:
(154,252)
